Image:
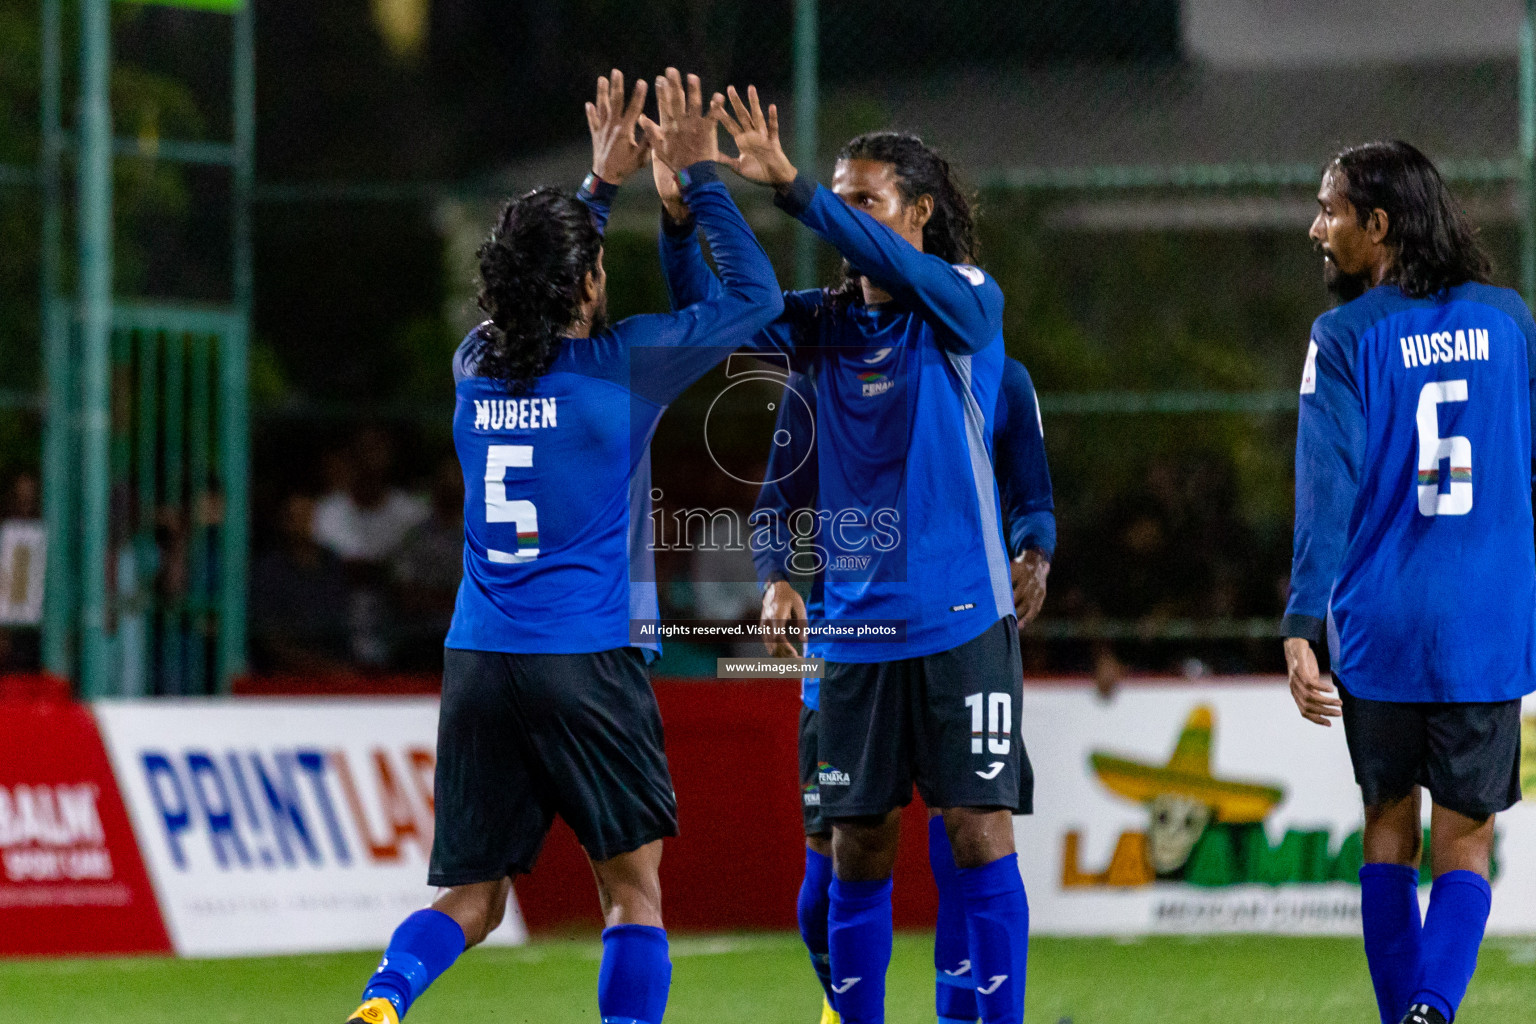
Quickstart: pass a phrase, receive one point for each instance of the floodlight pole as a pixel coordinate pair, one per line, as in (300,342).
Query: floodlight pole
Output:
(59,381)
(95,295)
(807,86)
(234,420)
(1528,152)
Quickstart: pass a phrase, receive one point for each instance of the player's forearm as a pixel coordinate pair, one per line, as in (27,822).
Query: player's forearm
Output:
(771,538)
(689,278)
(1306,627)
(746,274)
(1313,570)
(1032,531)
(970,313)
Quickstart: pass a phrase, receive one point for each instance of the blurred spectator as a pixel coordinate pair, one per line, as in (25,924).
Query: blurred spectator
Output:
(20,649)
(425,573)
(364,517)
(24,498)
(300,614)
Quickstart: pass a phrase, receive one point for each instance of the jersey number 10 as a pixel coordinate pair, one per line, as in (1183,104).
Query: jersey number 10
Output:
(498,509)
(1435,450)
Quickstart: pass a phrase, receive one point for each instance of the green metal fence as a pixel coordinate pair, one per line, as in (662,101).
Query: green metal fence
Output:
(1046,105)
(146,430)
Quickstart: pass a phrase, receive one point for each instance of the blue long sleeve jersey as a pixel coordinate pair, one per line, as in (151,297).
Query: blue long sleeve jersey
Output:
(1413,495)
(557,478)
(1023,479)
(906,393)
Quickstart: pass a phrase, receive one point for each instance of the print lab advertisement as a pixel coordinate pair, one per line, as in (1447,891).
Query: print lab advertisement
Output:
(281,826)
(1213,808)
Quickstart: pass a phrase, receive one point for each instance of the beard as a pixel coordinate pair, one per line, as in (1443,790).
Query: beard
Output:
(599,321)
(1342,287)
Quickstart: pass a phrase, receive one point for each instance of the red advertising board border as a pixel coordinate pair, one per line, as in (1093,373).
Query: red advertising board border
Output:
(71,877)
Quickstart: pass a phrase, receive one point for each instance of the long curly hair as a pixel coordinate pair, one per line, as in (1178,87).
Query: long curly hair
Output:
(1435,245)
(532,267)
(920,170)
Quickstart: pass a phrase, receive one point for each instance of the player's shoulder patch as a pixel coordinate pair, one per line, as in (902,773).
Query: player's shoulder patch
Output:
(975,275)
(1309,371)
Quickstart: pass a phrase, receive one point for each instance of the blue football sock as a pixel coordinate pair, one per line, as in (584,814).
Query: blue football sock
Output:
(954,990)
(997,915)
(859,938)
(1389,916)
(1453,930)
(812,912)
(424,946)
(633,982)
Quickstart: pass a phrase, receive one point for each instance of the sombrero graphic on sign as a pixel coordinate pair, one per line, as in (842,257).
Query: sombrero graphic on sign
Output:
(1204,827)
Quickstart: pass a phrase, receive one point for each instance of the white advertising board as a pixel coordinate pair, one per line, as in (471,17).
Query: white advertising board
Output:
(283,825)
(1214,807)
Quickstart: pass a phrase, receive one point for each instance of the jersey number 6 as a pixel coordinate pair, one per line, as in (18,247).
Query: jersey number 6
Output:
(1435,450)
(498,459)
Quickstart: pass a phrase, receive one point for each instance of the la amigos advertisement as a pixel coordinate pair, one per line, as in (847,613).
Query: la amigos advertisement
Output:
(1216,807)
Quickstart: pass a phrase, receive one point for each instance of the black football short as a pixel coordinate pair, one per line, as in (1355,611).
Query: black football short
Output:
(948,722)
(810,789)
(1466,754)
(524,737)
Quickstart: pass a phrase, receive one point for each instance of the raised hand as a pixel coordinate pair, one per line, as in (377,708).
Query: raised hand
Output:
(617,152)
(682,134)
(761,156)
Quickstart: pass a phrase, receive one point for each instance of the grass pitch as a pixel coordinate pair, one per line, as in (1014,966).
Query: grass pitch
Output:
(762,979)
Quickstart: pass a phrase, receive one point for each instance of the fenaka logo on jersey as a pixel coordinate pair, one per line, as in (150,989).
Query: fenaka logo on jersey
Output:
(1203,828)
(53,833)
(810,794)
(875,383)
(288,808)
(829,776)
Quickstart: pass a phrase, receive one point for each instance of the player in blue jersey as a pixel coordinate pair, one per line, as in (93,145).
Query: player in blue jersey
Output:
(1414,555)
(547,707)
(1024,483)
(907,358)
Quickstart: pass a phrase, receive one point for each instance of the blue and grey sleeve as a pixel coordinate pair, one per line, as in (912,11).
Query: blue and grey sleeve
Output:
(598,195)
(1330,450)
(1023,475)
(789,480)
(964,300)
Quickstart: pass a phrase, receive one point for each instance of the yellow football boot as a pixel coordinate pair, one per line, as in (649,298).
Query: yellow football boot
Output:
(829,1015)
(375,1011)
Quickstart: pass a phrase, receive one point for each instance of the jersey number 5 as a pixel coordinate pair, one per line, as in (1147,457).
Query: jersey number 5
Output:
(1435,451)
(498,459)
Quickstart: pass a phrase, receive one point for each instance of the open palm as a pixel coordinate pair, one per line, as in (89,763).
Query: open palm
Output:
(761,156)
(617,151)
(682,134)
